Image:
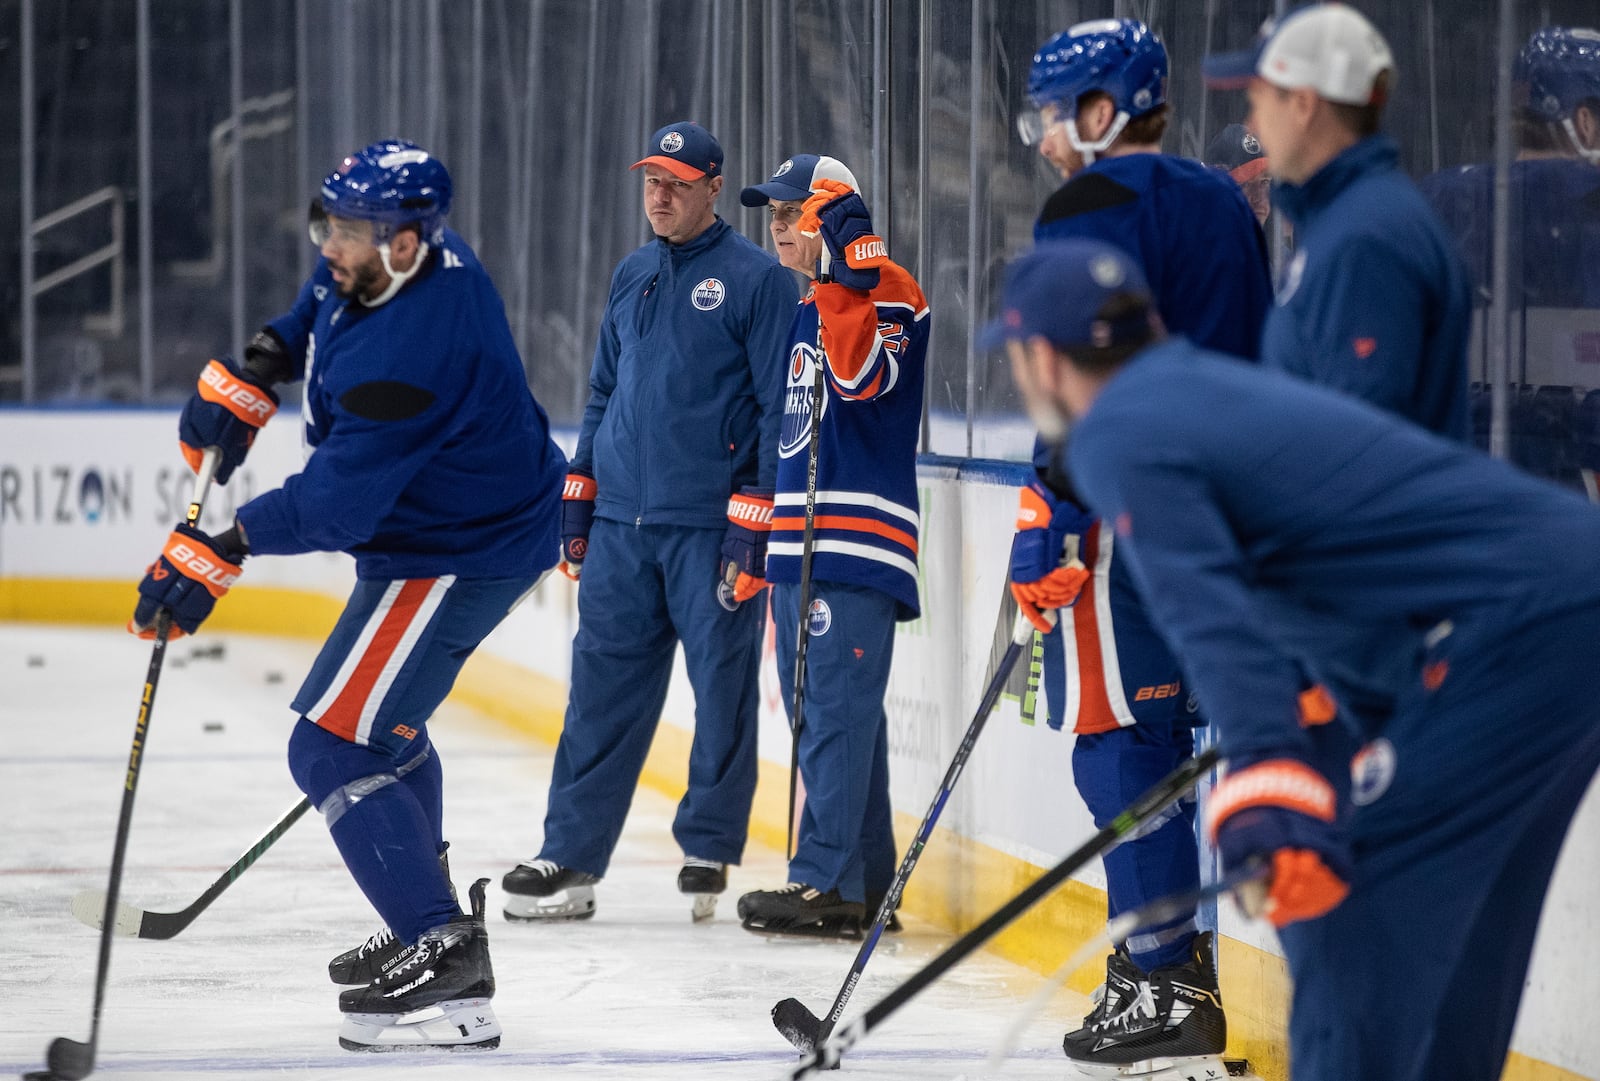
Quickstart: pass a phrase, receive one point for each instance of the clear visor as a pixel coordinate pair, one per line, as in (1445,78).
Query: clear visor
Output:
(1033,124)
(342,231)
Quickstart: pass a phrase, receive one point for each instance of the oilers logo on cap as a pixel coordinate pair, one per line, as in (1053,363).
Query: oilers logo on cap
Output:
(788,163)
(708,294)
(795,435)
(672,142)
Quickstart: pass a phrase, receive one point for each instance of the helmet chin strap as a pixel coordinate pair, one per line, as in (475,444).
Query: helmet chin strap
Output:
(396,278)
(1090,150)
(1590,154)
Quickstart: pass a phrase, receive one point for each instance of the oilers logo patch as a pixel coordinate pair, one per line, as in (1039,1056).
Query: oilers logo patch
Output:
(672,142)
(784,168)
(708,294)
(819,619)
(795,435)
(1371,772)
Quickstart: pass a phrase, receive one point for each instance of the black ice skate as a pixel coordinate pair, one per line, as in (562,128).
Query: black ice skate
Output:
(1173,1028)
(1120,988)
(380,952)
(541,889)
(438,997)
(703,880)
(798,909)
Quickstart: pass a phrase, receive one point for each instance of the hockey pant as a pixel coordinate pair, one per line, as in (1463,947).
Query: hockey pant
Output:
(1461,805)
(846,832)
(361,752)
(645,589)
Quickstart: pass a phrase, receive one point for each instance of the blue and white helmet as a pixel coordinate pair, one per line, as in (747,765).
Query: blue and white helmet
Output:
(1557,71)
(392,183)
(1118,57)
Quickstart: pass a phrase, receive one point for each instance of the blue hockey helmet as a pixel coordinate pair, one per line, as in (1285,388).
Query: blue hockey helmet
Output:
(1558,70)
(392,183)
(1118,57)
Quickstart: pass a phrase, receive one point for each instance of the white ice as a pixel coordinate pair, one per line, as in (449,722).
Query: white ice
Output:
(638,991)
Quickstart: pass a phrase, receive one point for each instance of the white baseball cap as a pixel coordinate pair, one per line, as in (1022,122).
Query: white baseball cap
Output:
(1330,48)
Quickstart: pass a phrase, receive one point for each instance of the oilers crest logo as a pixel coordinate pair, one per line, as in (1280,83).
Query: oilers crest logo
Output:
(795,436)
(819,618)
(708,294)
(1372,772)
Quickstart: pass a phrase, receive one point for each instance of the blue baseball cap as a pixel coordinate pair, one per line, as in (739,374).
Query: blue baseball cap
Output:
(685,149)
(794,178)
(1058,291)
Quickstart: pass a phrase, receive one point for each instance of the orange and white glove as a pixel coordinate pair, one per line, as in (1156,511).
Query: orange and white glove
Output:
(193,572)
(1046,571)
(836,211)
(1280,809)
(228,407)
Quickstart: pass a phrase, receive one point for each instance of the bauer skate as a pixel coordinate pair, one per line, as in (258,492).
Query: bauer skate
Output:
(703,880)
(541,889)
(798,909)
(380,952)
(438,997)
(1173,1029)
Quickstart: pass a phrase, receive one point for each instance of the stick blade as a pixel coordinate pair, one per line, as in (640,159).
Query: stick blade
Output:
(90,908)
(799,1025)
(70,1060)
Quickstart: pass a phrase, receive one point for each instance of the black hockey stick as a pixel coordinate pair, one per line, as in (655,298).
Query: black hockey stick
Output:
(90,907)
(807,539)
(1166,792)
(799,1025)
(71,1060)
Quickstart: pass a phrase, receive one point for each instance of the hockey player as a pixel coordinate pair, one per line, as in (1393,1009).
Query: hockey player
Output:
(432,465)
(873,338)
(1099,94)
(1258,511)
(676,460)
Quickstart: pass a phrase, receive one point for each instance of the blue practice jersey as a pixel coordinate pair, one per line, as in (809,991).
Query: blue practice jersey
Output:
(1191,231)
(426,453)
(867,519)
(686,390)
(1262,513)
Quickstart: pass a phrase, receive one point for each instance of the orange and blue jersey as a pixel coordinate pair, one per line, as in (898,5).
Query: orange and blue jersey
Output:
(867,517)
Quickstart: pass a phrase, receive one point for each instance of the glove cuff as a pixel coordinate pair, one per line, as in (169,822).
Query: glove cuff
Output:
(751,510)
(1273,782)
(1034,509)
(579,486)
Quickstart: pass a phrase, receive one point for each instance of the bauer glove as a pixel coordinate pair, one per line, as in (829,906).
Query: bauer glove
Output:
(192,572)
(744,546)
(577,518)
(837,212)
(1046,571)
(226,410)
(1278,808)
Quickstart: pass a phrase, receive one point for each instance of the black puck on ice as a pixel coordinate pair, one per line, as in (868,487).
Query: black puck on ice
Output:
(36,660)
(274,677)
(212,726)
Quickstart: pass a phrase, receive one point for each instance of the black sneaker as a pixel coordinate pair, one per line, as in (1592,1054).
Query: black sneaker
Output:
(1175,1017)
(798,909)
(381,951)
(703,880)
(438,997)
(541,889)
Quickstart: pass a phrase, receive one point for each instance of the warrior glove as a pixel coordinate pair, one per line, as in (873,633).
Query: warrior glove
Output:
(1046,571)
(192,572)
(838,213)
(744,546)
(577,518)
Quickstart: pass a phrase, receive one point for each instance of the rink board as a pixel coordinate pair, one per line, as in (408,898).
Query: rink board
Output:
(86,498)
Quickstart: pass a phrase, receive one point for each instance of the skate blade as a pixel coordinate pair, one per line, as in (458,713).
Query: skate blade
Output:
(572,904)
(1176,1068)
(838,930)
(705,907)
(466,1024)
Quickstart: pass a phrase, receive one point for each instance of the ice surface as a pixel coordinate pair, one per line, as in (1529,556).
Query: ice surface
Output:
(639,991)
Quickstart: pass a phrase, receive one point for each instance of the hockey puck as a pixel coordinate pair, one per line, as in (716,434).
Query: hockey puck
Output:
(274,677)
(35,660)
(212,726)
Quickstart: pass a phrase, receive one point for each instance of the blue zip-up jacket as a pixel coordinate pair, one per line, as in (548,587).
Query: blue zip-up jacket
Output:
(427,454)
(1375,300)
(686,392)
(1259,511)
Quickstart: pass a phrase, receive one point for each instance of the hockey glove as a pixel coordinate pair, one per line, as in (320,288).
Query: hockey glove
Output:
(744,546)
(1046,571)
(577,518)
(227,409)
(838,213)
(187,578)
(1282,810)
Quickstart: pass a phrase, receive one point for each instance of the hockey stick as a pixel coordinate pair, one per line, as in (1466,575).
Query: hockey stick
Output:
(807,539)
(90,907)
(799,1025)
(1166,792)
(1115,933)
(67,1059)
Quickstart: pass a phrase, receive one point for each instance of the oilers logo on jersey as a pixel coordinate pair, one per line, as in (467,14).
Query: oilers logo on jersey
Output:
(708,294)
(795,435)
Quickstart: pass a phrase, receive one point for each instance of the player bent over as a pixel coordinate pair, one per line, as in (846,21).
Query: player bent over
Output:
(863,574)
(1275,528)
(431,464)
(1099,94)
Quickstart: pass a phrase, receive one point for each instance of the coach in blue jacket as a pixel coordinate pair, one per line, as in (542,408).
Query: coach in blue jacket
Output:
(680,436)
